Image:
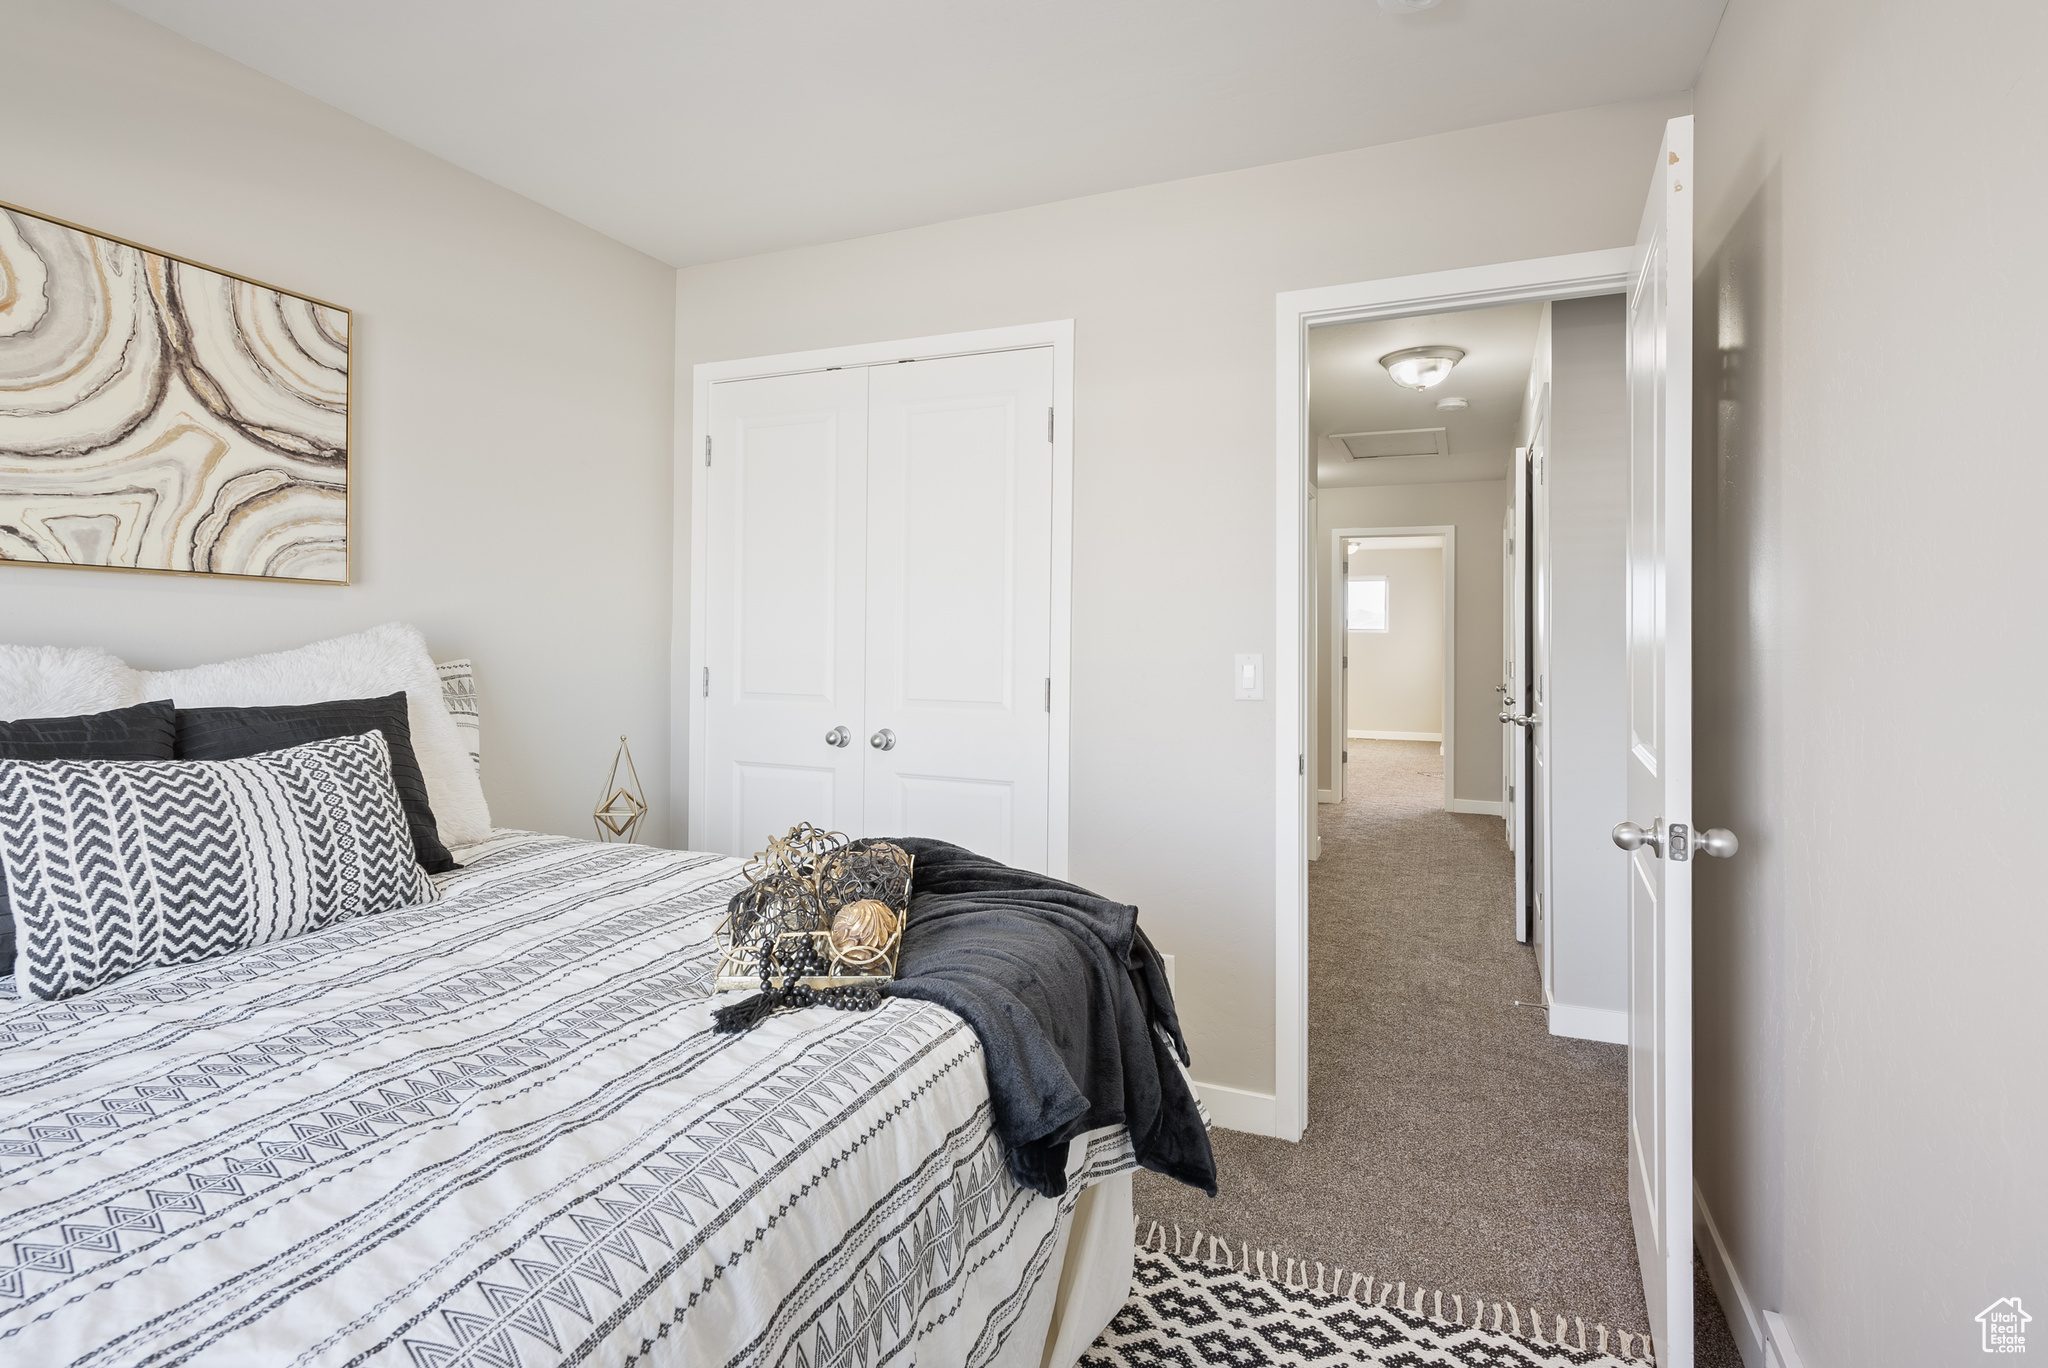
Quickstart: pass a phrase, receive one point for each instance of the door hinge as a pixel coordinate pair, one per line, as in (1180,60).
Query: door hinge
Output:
(707,681)
(1346,755)
(1048,694)
(1347,567)
(1301,763)
(1511,793)
(707,451)
(1347,662)
(1048,425)
(1511,546)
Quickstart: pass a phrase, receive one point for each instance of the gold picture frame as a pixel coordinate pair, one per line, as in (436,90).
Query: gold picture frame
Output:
(164,416)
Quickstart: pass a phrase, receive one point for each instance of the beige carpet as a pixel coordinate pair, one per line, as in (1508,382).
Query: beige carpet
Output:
(1453,1142)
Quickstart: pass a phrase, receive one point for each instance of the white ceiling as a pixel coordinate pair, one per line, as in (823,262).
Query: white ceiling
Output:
(701,131)
(1349,391)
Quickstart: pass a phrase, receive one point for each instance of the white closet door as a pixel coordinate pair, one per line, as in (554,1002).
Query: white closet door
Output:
(786,527)
(959,591)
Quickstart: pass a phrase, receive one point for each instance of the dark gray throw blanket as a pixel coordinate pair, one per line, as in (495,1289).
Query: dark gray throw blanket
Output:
(1064,991)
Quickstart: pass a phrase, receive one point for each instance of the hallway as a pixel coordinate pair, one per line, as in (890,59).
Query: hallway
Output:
(1452,1142)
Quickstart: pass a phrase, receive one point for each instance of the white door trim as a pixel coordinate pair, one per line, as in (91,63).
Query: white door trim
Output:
(1333,677)
(1058,335)
(1476,287)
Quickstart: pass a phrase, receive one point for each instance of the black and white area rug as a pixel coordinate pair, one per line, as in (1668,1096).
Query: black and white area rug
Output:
(1209,1305)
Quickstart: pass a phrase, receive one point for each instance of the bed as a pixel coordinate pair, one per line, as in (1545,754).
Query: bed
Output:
(498,1130)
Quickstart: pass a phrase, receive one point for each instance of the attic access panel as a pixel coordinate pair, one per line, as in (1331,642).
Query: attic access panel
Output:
(1373,446)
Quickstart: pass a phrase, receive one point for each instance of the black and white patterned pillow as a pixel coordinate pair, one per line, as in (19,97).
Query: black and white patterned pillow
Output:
(116,865)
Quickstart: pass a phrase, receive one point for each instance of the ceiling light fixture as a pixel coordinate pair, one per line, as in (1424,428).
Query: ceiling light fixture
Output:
(1452,404)
(1418,368)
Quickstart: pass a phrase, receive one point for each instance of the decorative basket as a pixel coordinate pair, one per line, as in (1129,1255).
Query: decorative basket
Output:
(815,891)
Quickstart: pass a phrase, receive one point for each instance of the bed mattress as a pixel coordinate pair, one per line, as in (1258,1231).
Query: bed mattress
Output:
(499,1130)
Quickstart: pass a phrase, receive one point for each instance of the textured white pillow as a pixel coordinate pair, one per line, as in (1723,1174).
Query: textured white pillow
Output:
(64,681)
(366,665)
(458,691)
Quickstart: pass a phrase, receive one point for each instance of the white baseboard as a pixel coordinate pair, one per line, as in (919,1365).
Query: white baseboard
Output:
(1484,809)
(1327,796)
(1589,1023)
(1743,1321)
(1778,1350)
(1238,1110)
(1396,736)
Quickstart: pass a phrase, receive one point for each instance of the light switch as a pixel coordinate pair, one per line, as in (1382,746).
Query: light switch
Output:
(1251,676)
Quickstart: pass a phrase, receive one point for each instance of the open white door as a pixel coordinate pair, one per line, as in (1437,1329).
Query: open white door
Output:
(1658,829)
(1514,748)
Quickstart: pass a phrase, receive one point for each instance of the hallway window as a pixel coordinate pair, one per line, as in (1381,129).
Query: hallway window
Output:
(1365,603)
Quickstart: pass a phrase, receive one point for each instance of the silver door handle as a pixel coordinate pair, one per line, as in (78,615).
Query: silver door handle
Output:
(883,740)
(1519,719)
(1716,841)
(1629,836)
(839,736)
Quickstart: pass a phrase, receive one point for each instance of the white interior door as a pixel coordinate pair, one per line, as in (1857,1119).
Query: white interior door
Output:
(786,603)
(1535,700)
(1514,750)
(1660,749)
(958,722)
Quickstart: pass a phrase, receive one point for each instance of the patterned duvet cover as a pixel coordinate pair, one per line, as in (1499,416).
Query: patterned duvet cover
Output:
(499,1130)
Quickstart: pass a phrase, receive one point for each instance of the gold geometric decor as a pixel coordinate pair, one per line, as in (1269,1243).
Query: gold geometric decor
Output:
(624,806)
(160,415)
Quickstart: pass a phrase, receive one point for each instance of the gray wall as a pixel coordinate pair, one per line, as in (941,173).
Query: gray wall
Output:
(1171,288)
(1397,676)
(1586,693)
(513,395)
(1476,508)
(1871,1119)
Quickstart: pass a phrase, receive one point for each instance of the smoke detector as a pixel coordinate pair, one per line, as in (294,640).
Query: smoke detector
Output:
(1452,404)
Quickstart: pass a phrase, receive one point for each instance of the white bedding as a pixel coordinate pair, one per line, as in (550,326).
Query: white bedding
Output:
(498,1130)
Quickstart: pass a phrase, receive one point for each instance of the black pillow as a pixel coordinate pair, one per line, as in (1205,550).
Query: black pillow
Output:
(231,733)
(147,731)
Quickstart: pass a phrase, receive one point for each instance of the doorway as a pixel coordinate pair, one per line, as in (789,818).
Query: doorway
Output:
(1649,732)
(1387,663)
(1436,310)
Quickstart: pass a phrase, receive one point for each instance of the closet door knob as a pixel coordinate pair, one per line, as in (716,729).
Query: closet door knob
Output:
(883,740)
(1519,719)
(839,736)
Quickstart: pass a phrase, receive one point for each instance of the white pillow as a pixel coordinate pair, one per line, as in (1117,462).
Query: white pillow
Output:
(64,681)
(366,665)
(458,691)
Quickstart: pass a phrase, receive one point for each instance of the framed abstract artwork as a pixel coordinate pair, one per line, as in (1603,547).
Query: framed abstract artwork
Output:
(156,414)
